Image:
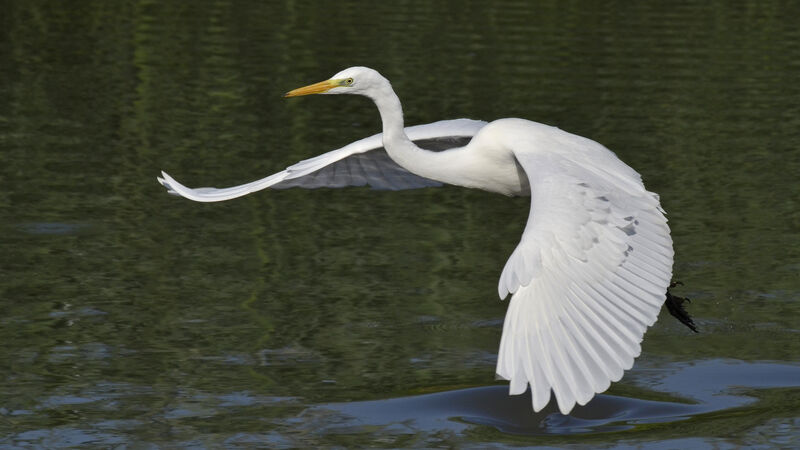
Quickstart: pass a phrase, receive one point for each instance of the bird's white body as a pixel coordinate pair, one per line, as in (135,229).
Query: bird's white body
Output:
(592,268)
(489,163)
(486,163)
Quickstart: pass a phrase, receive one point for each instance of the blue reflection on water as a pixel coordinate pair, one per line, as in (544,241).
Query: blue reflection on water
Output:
(57,228)
(707,386)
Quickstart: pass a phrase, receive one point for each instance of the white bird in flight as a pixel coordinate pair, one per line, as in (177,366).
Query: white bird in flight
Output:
(592,268)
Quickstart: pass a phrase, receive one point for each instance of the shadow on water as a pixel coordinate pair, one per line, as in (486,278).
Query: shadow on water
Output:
(707,387)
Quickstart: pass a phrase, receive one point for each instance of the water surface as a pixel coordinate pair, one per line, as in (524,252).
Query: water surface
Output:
(356,317)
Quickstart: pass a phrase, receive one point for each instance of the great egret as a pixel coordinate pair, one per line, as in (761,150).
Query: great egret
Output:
(592,269)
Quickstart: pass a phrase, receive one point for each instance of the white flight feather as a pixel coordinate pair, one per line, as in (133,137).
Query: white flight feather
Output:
(443,128)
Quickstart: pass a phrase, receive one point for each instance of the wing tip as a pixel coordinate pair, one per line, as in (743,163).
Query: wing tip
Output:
(502,291)
(164,180)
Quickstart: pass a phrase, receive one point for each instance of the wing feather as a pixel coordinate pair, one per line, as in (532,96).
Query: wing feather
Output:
(585,346)
(588,277)
(357,164)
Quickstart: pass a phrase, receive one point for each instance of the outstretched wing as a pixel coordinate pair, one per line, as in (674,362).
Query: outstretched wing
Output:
(588,277)
(360,163)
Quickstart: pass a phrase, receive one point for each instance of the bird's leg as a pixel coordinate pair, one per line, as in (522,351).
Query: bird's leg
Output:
(675,307)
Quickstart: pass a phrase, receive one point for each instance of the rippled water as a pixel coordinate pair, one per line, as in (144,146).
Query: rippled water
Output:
(361,318)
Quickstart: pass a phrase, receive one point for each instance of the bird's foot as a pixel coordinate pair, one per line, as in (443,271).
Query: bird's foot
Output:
(675,307)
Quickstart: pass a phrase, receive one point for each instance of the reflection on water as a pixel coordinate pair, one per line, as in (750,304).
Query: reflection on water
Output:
(301,318)
(52,228)
(704,394)
(702,388)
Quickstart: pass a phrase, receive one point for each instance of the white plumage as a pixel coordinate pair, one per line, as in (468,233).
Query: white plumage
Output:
(377,169)
(592,268)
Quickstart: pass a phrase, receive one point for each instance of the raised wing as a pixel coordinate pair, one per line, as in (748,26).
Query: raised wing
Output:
(360,163)
(588,277)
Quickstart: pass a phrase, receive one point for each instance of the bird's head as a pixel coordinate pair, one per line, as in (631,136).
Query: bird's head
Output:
(353,80)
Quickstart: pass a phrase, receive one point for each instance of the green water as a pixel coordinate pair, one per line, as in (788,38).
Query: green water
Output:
(302,318)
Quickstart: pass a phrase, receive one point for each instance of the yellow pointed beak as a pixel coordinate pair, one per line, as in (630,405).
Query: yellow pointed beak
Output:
(316,88)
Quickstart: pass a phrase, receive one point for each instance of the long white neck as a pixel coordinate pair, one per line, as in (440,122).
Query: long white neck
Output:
(477,166)
(416,160)
(392,117)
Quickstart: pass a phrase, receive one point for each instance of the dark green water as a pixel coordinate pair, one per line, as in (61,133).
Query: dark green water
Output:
(301,318)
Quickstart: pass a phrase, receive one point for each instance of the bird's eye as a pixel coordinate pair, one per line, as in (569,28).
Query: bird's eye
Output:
(348,81)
